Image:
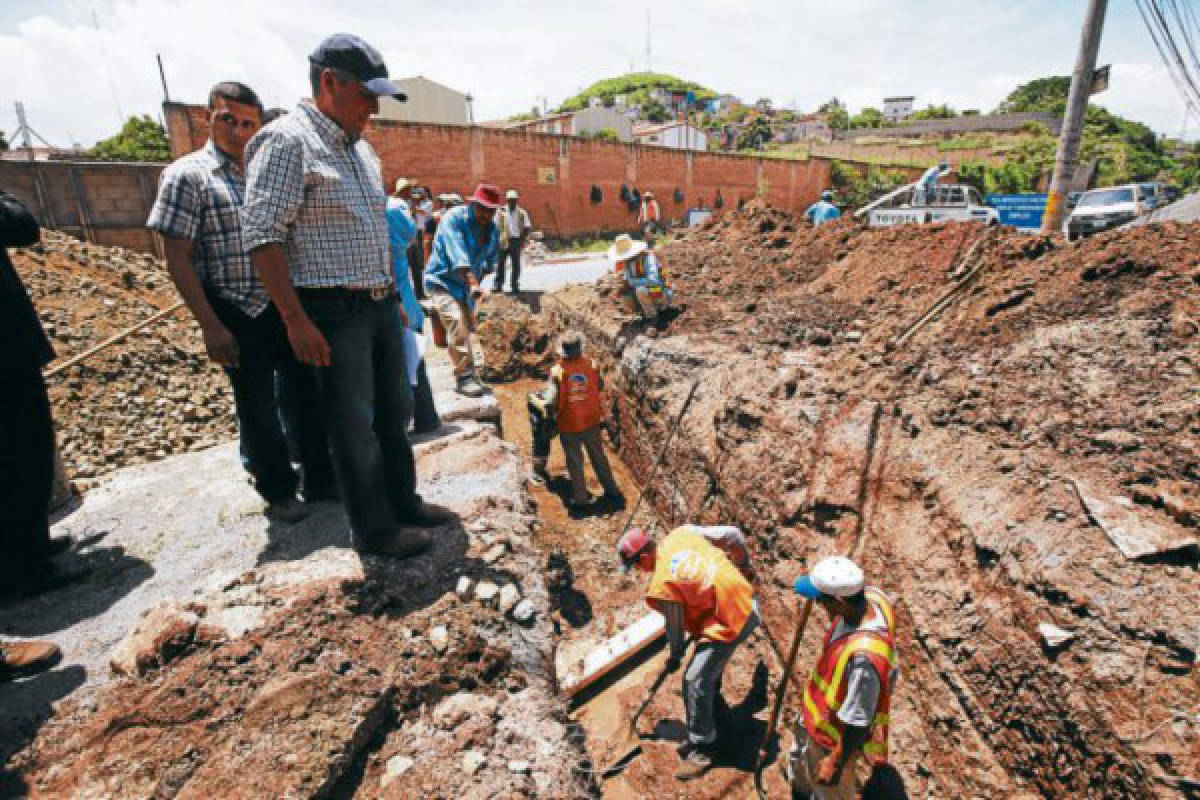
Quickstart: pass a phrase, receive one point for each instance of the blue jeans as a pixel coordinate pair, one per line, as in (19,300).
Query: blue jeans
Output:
(264,352)
(702,678)
(367,403)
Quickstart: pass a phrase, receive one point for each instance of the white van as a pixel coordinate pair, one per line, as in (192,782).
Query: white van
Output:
(1103,209)
(940,203)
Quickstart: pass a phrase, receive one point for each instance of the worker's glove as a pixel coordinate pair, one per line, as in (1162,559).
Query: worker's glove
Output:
(672,665)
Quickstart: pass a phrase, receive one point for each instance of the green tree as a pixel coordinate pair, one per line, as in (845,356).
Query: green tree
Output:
(654,111)
(867,118)
(935,112)
(754,135)
(3,141)
(140,139)
(603,135)
(1043,94)
(838,117)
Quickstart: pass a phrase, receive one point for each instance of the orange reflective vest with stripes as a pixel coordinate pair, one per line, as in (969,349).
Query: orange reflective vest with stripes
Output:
(579,405)
(875,639)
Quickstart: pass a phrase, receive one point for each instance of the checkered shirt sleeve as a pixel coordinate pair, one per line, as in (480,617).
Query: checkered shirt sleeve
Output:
(176,211)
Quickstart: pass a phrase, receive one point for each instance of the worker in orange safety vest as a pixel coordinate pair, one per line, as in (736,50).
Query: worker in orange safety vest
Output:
(701,584)
(847,700)
(574,395)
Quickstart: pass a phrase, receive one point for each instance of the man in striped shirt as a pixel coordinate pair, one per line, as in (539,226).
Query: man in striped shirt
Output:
(197,213)
(315,227)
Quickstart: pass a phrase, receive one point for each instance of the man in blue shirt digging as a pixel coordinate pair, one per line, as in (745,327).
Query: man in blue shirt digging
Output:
(464,250)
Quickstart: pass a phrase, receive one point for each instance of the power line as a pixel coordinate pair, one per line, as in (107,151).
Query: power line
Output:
(112,87)
(1162,27)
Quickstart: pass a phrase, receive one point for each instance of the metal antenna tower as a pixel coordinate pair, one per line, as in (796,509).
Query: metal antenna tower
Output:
(25,134)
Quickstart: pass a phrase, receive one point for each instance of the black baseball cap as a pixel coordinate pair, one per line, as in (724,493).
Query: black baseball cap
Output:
(347,52)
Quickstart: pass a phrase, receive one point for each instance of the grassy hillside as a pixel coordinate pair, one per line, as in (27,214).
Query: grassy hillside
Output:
(636,86)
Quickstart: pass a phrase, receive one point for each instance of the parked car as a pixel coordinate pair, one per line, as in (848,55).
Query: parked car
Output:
(1103,209)
(940,203)
(1153,195)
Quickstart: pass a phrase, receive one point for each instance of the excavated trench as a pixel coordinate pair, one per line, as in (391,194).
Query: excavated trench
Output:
(951,466)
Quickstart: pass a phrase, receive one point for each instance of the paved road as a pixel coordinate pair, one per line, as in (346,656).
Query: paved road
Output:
(549,275)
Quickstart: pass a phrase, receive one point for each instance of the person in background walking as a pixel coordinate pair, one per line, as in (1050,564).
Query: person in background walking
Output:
(823,210)
(26,439)
(575,393)
(314,224)
(402,231)
(464,250)
(649,216)
(196,212)
(419,209)
(514,227)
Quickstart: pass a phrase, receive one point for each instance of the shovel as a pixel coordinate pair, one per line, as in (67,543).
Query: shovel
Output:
(631,744)
(780,694)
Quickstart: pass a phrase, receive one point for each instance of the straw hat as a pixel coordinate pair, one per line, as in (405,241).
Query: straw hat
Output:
(625,247)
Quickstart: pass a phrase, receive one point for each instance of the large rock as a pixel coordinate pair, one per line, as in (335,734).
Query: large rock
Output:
(163,634)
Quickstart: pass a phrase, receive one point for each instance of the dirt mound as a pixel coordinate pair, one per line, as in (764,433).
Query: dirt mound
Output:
(938,401)
(154,394)
(515,342)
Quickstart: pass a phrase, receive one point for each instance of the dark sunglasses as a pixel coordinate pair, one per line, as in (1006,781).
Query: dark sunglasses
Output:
(230,119)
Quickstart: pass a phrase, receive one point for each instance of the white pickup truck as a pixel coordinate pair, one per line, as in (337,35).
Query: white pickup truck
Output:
(938,203)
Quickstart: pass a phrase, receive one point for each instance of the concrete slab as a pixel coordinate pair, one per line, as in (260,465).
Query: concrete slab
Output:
(189,526)
(1132,534)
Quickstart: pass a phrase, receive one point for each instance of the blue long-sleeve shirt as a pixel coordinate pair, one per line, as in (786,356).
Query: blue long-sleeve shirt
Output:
(821,212)
(401,230)
(458,244)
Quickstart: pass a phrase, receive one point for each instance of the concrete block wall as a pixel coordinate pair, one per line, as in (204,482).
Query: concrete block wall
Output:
(106,203)
(555,174)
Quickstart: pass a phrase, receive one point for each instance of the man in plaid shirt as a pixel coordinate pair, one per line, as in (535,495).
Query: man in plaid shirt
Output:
(197,213)
(315,227)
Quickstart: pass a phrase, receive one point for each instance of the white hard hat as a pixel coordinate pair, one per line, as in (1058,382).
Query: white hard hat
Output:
(511,194)
(836,576)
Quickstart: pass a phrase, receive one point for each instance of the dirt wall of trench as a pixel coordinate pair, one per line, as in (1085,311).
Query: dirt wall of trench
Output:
(948,464)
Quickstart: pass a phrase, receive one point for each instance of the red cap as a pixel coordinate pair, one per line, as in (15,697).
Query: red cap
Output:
(487,195)
(635,542)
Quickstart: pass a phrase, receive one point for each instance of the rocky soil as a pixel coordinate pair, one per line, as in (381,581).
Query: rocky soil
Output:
(340,676)
(1038,659)
(156,394)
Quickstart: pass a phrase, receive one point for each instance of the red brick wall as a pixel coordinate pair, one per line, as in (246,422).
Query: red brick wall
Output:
(450,158)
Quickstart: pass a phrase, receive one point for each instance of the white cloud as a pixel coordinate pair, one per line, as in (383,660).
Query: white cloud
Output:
(508,53)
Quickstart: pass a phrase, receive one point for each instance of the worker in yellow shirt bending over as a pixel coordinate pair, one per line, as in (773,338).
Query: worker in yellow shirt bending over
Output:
(701,584)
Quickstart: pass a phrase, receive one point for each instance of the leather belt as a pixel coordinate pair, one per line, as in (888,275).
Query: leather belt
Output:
(372,292)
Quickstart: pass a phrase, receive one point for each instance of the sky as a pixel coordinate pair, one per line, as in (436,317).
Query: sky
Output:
(82,66)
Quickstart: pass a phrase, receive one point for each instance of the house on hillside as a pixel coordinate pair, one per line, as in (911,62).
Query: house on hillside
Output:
(585,122)
(897,109)
(723,102)
(803,128)
(428,101)
(676,134)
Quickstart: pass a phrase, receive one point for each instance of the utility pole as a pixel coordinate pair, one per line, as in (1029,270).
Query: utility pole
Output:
(1067,158)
